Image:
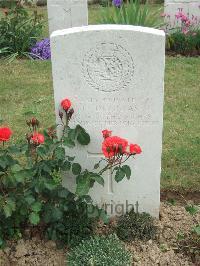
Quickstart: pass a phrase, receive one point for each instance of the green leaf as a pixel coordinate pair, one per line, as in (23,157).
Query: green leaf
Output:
(76,168)
(34,218)
(192,209)
(196,229)
(83,185)
(103,215)
(63,193)
(14,149)
(50,184)
(82,136)
(57,214)
(92,211)
(69,143)
(99,179)
(66,166)
(127,171)
(16,168)
(9,207)
(60,153)
(29,199)
(42,151)
(36,207)
(2,163)
(72,134)
(20,176)
(70,158)
(120,174)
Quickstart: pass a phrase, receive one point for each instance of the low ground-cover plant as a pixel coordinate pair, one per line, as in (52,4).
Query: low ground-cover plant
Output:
(31,191)
(100,251)
(134,225)
(19,31)
(184,36)
(129,12)
(190,244)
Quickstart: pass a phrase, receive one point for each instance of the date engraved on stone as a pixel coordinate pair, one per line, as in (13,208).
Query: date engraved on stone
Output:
(108,67)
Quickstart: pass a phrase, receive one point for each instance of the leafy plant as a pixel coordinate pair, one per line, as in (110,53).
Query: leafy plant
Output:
(134,225)
(19,31)
(99,251)
(131,13)
(31,191)
(184,36)
(192,209)
(190,244)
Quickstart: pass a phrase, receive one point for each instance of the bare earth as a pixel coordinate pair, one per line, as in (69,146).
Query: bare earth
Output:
(173,219)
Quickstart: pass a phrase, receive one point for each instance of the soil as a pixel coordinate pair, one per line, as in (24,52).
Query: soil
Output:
(162,251)
(180,196)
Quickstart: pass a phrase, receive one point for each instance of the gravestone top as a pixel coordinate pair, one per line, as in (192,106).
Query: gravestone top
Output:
(64,14)
(115,81)
(109,27)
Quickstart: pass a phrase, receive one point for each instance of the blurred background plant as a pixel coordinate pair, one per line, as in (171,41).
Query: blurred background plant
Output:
(19,30)
(183,36)
(41,50)
(131,13)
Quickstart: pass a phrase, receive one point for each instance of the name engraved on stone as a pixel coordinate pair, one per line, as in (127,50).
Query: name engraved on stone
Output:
(110,112)
(108,67)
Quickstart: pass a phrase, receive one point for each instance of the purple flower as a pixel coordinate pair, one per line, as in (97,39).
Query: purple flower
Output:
(41,50)
(117,3)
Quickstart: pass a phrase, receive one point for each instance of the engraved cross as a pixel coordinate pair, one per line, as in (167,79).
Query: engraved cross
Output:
(109,176)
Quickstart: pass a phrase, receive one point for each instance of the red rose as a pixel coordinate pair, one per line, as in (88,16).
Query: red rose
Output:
(114,145)
(37,138)
(106,133)
(135,149)
(66,104)
(5,133)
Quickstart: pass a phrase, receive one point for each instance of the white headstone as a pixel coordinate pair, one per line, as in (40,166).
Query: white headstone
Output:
(63,14)
(114,75)
(190,8)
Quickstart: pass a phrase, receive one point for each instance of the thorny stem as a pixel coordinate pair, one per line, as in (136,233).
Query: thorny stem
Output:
(113,164)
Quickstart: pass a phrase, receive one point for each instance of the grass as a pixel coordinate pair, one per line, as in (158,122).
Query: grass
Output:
(26,90)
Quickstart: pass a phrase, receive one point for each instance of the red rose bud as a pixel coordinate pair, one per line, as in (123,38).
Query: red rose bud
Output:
(70,113)
(5,11)
(37,138)
(106,133)
(135,149)
(66,104)
(34,122)
(28,122)
(61,115)
(5,133)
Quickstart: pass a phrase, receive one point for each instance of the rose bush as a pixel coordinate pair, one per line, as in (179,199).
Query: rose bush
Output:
(31,191)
